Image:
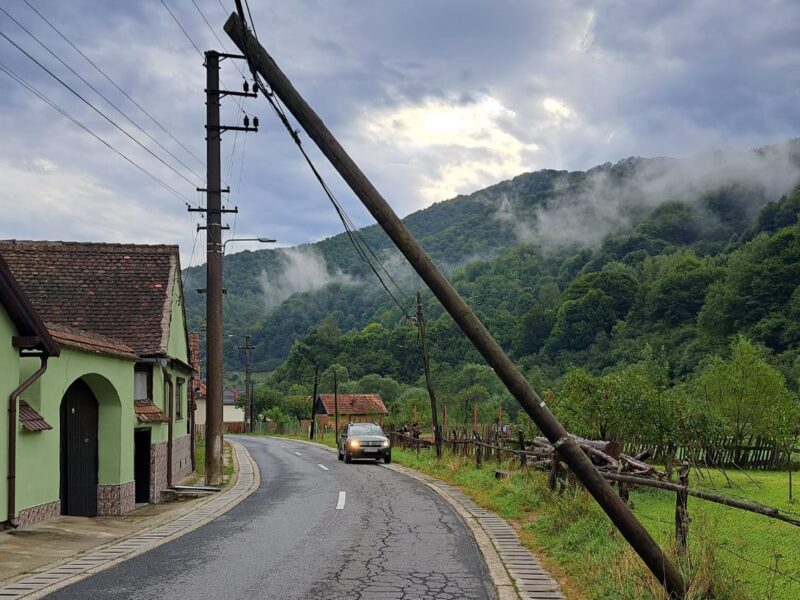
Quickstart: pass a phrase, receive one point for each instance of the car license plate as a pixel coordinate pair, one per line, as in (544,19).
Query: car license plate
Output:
(370,449)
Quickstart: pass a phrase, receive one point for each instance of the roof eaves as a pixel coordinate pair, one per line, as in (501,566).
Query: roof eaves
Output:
(22,313)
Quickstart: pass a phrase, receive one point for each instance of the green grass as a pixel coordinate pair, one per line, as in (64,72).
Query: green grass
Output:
(200,462)
(731,551)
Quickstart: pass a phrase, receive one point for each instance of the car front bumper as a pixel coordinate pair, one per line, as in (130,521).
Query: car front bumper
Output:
(369,452)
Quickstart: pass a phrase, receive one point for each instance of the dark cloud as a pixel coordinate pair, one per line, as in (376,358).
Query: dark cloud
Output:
(431,98)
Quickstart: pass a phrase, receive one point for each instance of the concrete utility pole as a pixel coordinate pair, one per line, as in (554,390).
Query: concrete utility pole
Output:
(248,382)
(213,276)
(637,536)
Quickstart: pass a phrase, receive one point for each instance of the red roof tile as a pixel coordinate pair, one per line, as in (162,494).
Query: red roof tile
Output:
(90,342)
(354,404)
(147,412)
(30,419)
(120,291)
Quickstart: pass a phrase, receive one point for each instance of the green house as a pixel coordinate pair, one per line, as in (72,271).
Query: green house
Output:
(94,374)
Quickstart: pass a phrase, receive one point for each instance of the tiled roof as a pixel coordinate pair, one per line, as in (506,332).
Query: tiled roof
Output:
(194,353)
(354,404)
(147,412)
(90,342)
(120,291)
(230,396)
(25,318)
(30,419)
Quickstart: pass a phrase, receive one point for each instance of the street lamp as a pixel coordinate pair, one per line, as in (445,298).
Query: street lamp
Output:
(263,240)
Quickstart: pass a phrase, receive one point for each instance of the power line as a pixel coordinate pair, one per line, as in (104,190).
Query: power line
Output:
(99,93)
(97,110)
(47,100)
(188,37)
(114,83)
(361,246)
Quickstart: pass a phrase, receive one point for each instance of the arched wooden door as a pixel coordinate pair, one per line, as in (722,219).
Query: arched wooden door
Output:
(79,451)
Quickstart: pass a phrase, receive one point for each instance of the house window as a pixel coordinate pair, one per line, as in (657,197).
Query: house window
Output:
(179,398)
(143,382)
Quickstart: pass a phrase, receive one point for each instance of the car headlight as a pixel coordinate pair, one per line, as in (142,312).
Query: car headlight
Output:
(355,444)
(385,443)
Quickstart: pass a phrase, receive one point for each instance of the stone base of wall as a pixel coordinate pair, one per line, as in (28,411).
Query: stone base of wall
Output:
(42,512)
(158,471)
(181,458)
(116,499)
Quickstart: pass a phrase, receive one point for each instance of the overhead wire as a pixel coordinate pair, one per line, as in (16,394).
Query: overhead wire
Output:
(99,93)
(95,109)
(362,247)
(8,71)
(115,84)
(178,23)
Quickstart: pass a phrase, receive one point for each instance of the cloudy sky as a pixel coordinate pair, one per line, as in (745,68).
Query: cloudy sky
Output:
(432,98)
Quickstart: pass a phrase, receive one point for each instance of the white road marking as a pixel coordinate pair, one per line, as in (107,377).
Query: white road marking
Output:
(323,467)
(340,503)
(298,454)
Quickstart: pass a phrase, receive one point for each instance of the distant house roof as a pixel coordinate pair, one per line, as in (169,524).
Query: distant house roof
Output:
(147,412)
(120,291)
(351,404)
(230,396)
(30,419)
(22,313)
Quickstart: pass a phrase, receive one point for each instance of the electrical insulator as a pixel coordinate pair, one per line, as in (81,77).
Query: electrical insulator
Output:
(255,122)
(255,87)
(245,87)
(246,121)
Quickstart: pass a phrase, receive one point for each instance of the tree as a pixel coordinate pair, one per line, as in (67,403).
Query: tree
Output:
(748,395)
(579,321)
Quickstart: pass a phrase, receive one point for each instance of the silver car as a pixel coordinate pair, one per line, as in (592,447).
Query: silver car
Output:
(364,440)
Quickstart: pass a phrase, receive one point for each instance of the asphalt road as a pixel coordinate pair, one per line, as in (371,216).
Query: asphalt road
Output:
(390,538)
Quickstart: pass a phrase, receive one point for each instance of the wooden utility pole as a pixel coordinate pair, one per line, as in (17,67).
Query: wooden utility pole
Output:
(248,382)
(213,276)
(313,428)
(426,367)
(633,531)
(335,405)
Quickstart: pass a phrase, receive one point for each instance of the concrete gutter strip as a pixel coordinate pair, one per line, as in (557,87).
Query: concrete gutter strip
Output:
(100,558)
(515,571)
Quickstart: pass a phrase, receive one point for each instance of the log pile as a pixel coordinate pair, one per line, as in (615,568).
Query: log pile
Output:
(606,456)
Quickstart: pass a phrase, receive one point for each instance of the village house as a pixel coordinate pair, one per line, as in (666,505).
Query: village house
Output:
(233,417)
(352,408)
(94,358)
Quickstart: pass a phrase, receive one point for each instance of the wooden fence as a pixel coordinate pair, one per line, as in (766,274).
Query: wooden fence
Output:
(497,446)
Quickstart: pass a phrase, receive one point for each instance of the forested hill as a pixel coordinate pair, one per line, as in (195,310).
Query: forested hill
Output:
(518,248)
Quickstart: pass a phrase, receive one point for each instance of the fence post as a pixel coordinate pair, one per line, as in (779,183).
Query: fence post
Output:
(523,458)
(681,511)
(552,480)
(478,451)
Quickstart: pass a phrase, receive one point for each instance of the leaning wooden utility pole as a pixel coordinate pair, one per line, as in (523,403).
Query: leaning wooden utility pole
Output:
(426,367)
(633,531)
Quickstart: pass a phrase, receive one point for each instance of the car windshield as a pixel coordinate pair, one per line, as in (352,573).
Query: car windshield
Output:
(366,430)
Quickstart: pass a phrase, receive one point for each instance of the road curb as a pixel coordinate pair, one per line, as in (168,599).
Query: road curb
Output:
(100,558)
(515,571)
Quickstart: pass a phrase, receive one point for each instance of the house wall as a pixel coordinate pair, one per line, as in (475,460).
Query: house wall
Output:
(9,380)
(38,466)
